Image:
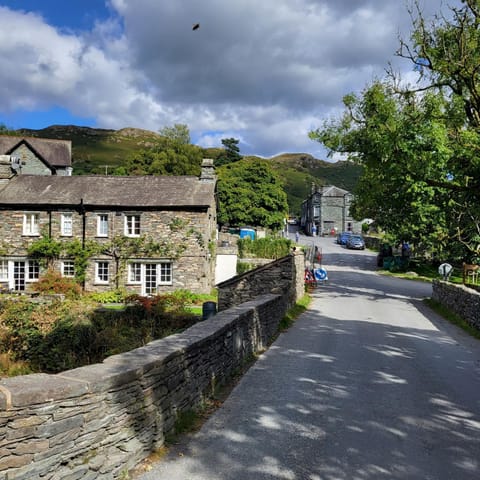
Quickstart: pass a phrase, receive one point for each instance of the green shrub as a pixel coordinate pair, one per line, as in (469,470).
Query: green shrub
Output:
(62,335)
(269,247)
(243,267)
(112,296)
(53,282)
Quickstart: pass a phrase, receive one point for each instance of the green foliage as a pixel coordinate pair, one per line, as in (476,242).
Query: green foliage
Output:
(45,249)
(11,368)
(231,152)
(172,154)
(294,312)
(243,267)
(62,335)
(112,296)
(250,193)
(453,317)
(268,247)
(179,134)
(80,253)
(420,146)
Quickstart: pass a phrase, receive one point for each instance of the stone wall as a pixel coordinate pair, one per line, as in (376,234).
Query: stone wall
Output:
(98,421)
(284,276)
(460,299)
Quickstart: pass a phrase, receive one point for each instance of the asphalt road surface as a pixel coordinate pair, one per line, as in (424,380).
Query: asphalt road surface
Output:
(368,384)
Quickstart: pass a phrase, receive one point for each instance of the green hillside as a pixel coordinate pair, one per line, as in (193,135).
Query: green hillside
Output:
(96,150)
(99,151)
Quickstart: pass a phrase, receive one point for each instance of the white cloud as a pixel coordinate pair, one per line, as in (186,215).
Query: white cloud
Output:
(263,72)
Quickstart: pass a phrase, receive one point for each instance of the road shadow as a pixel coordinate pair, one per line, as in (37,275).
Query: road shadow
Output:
(342,395)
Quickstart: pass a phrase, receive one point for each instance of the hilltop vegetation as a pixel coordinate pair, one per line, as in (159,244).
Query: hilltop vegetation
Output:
(100,151)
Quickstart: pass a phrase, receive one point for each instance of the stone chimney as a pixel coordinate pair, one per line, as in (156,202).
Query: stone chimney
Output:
(6,170)
(208,171)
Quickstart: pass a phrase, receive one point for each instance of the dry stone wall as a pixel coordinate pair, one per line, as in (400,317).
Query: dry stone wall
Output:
(284,276)
(460,299)
(98,421)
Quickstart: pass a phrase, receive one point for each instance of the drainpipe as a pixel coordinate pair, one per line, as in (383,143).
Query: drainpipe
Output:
(84,221)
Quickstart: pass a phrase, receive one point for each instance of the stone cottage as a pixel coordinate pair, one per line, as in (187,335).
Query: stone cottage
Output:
(327,210)
(148,234)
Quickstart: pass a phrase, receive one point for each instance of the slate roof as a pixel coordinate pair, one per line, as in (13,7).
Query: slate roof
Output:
(332,191)
(56,153)
(100,191)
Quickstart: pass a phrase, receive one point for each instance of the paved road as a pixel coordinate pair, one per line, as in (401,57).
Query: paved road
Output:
(368,384)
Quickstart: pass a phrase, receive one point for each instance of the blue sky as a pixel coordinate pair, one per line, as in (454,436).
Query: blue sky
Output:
(72,14)
(265,72)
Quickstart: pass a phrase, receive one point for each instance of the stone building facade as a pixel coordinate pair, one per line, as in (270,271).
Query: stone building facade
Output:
(148,234)
(327,210)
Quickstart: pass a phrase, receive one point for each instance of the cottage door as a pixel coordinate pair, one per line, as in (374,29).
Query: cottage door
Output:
(19,276)
(149,286)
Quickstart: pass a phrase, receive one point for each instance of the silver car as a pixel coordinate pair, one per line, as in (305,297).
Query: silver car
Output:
(355,242)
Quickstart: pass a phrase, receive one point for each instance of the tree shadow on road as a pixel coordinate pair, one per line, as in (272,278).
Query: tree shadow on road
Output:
(347,395)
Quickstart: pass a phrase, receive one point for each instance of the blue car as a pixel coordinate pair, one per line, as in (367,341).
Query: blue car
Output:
(355,242)
(343,237)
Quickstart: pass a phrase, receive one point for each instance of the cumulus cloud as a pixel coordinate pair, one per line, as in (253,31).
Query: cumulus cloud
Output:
(263,72)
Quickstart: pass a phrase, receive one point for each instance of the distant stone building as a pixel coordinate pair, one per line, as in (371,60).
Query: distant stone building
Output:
(37,156)
(327,211)
(150,233)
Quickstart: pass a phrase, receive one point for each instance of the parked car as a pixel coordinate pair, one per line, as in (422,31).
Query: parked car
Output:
(343,237)
(355,242)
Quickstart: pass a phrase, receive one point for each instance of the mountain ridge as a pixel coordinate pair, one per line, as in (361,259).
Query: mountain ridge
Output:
(95,150)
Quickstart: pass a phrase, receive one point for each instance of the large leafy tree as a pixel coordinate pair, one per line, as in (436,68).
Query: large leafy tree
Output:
(419,144)
(230,153)
(250,193)
(171,155)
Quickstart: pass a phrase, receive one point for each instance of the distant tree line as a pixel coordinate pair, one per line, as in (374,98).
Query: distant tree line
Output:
(249,191)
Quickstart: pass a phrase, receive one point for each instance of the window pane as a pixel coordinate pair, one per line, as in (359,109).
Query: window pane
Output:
(67,224)
(165,273)
(30,224)
(102,272)
(33,270)
(135,273)
(132,225)
(150,278)
(102,225)
(3,270)
(68,269)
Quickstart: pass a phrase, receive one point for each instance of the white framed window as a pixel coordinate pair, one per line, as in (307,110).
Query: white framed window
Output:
(68,268)
(134,273)
(101,272)
(102,225)
(132,225)
(66,227)
(165,273)
(3,270)
(150,275)
(31,224)
(33,271)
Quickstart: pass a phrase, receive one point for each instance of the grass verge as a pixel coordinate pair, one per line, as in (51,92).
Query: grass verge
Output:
(452,317)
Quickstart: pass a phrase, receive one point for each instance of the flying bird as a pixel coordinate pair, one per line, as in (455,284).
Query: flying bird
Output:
(196,26)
